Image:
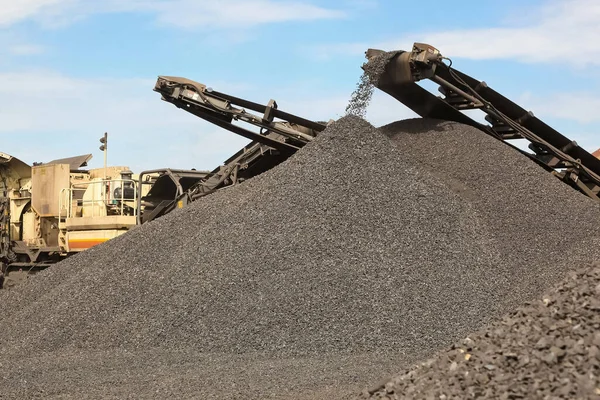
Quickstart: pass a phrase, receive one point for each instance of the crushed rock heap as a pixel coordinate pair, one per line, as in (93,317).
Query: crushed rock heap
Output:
(360,255)
(547,349)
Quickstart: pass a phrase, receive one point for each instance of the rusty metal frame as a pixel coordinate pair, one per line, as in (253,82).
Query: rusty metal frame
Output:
(507,120)
(166,205)
(280,135)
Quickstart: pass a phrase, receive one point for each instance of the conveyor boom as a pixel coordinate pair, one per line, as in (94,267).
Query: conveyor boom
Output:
(506,120)
(279,135)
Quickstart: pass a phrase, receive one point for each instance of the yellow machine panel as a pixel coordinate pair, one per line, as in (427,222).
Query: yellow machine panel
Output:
(47,182)
(111,172)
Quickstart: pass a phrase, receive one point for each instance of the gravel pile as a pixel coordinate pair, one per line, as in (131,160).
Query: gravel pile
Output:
(305,259)
(538,224)
(547,349)
(348,261)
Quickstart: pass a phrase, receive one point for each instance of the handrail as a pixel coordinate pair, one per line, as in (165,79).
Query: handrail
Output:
(105,200)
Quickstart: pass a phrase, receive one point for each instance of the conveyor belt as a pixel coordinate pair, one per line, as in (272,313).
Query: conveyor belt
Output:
(279,135)
(507,120)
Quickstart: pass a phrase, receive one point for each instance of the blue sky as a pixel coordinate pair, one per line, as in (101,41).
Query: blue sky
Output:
(72,69)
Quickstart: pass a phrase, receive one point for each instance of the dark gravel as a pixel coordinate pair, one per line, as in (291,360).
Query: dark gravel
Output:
(547,349)
(347,262)
(361,97)
(376,66)
(539,225)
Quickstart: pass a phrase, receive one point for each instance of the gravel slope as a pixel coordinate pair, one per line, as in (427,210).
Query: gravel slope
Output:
(349,259)
(295,262)
(540,226)
(547,349)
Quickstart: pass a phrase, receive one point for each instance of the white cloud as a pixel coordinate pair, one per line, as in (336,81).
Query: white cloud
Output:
(14,43)
(561,31)
(239,13)
(25,49)
(15,11)
(180,13)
